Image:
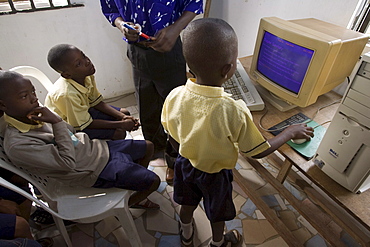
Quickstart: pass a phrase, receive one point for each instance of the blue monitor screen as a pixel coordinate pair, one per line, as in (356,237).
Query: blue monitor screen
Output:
(283,62)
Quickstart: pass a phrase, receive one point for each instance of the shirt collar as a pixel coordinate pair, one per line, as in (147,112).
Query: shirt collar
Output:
(83,89)
(208,91)
(22,127)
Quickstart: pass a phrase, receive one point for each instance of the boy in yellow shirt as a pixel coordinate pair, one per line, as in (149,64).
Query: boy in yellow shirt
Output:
(77,100)
(209,129)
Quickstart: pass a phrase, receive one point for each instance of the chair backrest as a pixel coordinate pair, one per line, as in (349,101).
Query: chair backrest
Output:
(42,79)
(47,186)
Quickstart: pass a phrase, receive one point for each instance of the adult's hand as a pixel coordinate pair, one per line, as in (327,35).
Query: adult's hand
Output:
(165,39)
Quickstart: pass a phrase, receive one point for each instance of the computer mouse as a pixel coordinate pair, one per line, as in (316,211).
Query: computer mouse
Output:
(298,141)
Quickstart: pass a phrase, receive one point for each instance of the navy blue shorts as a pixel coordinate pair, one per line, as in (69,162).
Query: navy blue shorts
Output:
(100,133)
(122,171)
(7,226)
(191,185)
(10,195)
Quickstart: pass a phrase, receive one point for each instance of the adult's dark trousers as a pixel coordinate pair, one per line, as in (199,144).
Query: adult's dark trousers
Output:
(155,75)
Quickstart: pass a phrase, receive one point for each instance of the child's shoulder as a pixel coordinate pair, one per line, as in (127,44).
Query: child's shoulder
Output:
(174,92)
(63,85)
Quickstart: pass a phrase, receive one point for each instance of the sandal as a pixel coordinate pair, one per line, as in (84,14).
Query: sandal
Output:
(146,204)
(40,216)
(233,237)
(45,242)
(187,242)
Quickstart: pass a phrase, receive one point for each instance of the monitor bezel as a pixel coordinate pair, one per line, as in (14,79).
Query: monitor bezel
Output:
(325,49)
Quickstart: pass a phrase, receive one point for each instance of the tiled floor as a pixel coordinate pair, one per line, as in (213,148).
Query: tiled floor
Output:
(160,228)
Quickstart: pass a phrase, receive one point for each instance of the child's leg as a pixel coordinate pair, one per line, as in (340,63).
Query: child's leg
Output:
(218,231)
(187,225)
(148,154)
(123,171)
(138,197)
(124,111)
(22,228)
(186,213)
(119,134)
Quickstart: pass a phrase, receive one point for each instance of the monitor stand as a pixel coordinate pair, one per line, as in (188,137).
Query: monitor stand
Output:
(281,105)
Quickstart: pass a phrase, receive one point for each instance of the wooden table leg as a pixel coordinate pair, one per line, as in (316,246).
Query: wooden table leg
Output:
(284,171)
(308,210)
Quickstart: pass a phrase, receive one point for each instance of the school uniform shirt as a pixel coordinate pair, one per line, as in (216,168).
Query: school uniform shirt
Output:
(210,126)
(56,151)
(152,15)
(71,101)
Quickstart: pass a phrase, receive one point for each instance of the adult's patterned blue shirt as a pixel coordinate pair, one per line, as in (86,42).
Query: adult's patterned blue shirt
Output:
(152,15)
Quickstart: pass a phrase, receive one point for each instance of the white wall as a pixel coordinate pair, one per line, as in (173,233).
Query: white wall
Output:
(25,38)
(244,15)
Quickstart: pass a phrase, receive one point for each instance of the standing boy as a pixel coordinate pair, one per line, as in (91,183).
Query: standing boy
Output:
(42,142)
(209,128)
(158,65)
(78,101)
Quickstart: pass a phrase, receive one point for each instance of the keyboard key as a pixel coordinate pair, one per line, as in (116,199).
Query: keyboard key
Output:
(295,119)
(241,87)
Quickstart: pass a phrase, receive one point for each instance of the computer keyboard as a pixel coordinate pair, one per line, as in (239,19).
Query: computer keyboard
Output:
(241,87)
(295,119)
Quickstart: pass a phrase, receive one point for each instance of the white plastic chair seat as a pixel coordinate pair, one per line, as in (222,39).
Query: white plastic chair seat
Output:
(35,73)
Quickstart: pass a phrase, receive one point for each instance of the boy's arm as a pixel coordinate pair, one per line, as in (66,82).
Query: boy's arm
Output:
(109,10)
(296,131)
(129,123)
(107,109)
(59,155)
(124,122)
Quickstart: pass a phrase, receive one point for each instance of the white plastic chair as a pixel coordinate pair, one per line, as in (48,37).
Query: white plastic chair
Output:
(37,74)
(78,204)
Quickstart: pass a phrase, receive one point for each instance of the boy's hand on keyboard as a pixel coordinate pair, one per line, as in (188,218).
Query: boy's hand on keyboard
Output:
(299,131)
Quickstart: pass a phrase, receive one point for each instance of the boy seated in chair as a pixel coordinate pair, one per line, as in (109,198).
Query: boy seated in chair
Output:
(77,100)
(39,140)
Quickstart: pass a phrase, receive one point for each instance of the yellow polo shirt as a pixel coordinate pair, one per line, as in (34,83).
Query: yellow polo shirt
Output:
(71,101)
(210,126)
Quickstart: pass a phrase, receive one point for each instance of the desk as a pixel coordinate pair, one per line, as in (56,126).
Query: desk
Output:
(331,202)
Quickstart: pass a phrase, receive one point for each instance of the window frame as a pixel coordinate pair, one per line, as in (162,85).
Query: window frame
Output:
(361,19)
(33,8)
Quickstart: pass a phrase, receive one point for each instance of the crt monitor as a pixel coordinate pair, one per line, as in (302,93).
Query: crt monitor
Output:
(298,60)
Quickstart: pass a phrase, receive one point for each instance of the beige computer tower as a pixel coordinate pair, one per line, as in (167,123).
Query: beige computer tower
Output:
(344,152)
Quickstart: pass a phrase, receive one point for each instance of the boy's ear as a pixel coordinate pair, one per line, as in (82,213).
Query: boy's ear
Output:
(66,75)
(2,106)
(225,69)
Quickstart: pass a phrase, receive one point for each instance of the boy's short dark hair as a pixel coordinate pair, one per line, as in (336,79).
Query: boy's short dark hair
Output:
(56,55)
(6,78)
(207,43)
